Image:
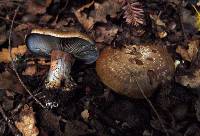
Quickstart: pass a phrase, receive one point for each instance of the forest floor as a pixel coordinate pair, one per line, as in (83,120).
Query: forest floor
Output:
(93,109)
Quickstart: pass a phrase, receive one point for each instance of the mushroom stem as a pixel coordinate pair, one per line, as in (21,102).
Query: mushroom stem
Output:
(60,68)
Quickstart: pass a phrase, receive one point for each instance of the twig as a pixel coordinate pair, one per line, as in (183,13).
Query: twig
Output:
(62,9)
(14,130)
(13,64)
(151,105)
(180,6)
(17,108)
(8,20)
(59,12)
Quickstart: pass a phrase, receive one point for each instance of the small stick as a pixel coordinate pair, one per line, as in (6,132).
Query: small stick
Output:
(13,64)
(182,26)
(17,108)
(63,9)
(14,130)
(151,105)
(8,20)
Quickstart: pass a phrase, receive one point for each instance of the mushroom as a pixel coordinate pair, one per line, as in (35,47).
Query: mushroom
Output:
(64,48)
(133,69)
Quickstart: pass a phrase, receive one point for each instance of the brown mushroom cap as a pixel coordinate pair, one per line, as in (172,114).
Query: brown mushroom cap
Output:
(149,65)
(61,34)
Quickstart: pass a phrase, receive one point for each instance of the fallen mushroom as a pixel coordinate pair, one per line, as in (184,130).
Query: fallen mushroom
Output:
(63,47)
(123,69)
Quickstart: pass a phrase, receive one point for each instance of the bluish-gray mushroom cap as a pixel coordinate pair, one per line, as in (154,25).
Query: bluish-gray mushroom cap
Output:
(80,48)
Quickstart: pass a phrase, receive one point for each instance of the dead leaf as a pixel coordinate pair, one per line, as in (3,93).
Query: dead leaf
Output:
(100,45)
(45,19)
(197,109)
(76,128)
(99,14)
(192,81)
(27,122)
(29,18)
(21,27)
(188,21)
(192,130)
(190,53)
(51,121)
(85,115)
(3,35)
(86,21)
(197,18)
(18,36)
(183,52)
(157,20)
(17,51)
(105,34)
(104,9)
(30,70)
(42,61)
(65,23)
(162,34)
(193,48)
(39,60)
(33,70)
(34,8)
(3,38)
(10,82)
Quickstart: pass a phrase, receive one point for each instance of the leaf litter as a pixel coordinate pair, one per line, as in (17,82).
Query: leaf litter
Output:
(87,110)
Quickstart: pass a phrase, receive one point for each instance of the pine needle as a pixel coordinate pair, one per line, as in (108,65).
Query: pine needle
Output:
(197,21)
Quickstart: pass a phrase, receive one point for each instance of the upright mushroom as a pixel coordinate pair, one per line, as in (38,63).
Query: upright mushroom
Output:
(63,47)
(119,69)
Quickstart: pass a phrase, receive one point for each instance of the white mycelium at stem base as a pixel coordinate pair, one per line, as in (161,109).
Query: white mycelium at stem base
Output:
(60,69)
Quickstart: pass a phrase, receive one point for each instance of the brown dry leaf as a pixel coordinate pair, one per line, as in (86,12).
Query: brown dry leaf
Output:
(32,67)
(21,27)
(76,128)
(190,53)
(39,60)
(86,21)
(162,34)
(45,19)
(30,70)
(27,122)
(42,61)
(197,108)
(3,35)
(105,35)
(188,21)
(34,8)
(17,51)
(65,23)
(10,82)
(30,62)
(157,20)
(51,122)
(104,9)
(183,52)
(99,14)
(3,38)
(85,115)
(192,81)
(193,48)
